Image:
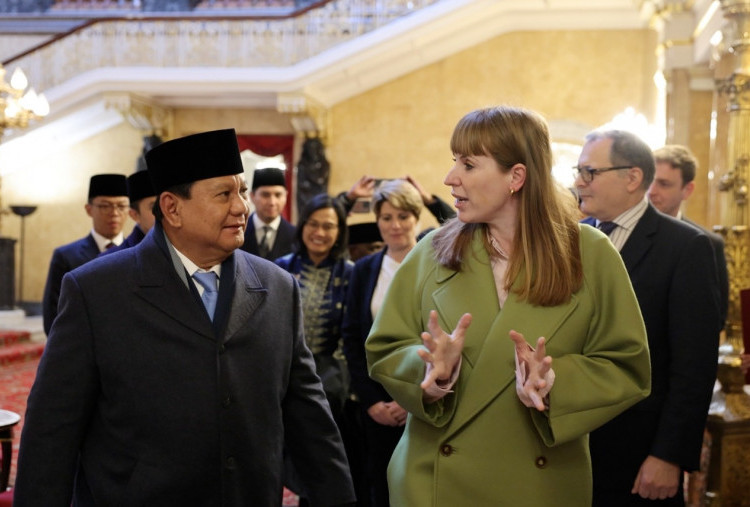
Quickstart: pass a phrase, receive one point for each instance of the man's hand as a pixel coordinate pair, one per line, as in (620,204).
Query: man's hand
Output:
(398,412)
(534,374)
(387,413)
(442,351)
(657,479)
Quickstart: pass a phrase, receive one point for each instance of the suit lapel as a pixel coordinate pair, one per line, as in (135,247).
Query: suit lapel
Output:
(158,284)
(640,240)
(488,357)
(373,273)
(251,244)
(246,295)
(284,237)
(90,248)
(471,291)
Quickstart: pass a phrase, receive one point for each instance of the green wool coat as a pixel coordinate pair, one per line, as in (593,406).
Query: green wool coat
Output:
(480,446)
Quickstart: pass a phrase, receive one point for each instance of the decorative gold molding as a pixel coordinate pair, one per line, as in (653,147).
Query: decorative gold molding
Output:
(141,113)
(729,418)
(306,115)
(675,42)
(663,9)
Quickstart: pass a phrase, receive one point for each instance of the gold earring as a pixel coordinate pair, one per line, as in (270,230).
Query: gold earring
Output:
(512,191)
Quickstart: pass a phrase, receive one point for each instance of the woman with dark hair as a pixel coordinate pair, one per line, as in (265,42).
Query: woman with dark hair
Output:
(320,266)
(397,205)
(546,337)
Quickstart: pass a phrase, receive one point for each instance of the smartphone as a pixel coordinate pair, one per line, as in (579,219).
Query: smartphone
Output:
(362,205)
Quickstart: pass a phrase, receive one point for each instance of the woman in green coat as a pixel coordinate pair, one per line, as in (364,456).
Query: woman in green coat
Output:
(546,338)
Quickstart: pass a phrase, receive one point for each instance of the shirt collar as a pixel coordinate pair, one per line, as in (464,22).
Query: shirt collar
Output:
(192,267)
(630,217)
(258,223)
(102,242)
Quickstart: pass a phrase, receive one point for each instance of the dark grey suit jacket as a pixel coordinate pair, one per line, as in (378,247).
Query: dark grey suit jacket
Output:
(721,268)
(282,245)
(143,402)
(65,258)
(671,266)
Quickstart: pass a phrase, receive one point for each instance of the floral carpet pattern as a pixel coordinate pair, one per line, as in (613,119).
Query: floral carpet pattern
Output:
(15,384)
(16,379)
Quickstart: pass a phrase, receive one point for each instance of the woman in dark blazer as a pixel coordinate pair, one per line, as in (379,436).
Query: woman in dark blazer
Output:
(323,272)
(397,207)
(320,267)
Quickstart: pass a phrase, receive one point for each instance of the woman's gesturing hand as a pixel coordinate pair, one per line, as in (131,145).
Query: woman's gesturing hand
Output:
(534,373)
(442,351)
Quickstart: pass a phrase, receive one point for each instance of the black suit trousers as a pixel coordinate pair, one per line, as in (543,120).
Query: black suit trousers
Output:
(614,479)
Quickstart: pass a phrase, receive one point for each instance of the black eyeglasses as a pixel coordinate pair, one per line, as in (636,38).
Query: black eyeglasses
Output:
(587,173)
(110,207)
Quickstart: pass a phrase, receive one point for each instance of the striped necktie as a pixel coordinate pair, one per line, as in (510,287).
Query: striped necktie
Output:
(264,249)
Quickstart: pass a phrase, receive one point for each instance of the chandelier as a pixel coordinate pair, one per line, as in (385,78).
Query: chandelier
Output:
(17,104)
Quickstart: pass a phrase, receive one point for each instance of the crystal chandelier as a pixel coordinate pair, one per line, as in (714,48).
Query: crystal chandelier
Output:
(17,104)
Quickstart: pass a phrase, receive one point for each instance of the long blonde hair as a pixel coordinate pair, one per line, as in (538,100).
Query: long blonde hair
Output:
(546,245)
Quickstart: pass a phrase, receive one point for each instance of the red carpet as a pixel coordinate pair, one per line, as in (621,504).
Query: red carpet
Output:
(15,385)
(17,347)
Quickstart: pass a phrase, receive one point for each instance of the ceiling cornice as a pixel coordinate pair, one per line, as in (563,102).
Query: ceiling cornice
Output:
(351,68)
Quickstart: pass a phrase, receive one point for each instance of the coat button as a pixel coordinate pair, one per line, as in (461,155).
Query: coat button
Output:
(540,461)
(227,400)
(222,348)
(231,462)
(446,449)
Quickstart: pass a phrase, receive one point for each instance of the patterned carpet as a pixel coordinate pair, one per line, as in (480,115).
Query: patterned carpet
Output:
(15,385)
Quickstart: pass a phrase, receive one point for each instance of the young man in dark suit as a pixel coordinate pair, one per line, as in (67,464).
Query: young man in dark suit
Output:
(142,197)
(674,183)
(638,457)
(269,235)
(108,207)
(176,372)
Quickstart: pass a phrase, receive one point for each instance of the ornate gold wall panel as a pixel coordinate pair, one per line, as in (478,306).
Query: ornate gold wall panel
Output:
(737,251)
(729,473)
(729,420)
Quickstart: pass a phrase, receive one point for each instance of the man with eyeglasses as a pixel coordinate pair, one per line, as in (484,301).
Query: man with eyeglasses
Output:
(638,458)
(107,206)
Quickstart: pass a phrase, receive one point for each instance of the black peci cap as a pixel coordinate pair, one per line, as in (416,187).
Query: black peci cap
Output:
(108,184)
(268,177)
(140,186)
(367,232)
(193,158)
